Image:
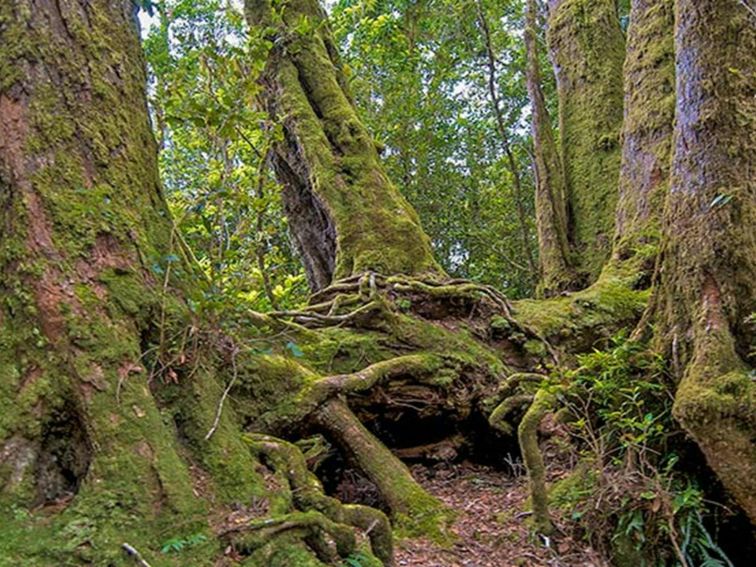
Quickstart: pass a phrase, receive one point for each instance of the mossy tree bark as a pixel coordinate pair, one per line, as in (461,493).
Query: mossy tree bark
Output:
(614,300)
(89,267)
(98,445)
(345,214)
(625,280)
(550,199)
(706,293)
(649,110)
(82,215)
(587,49)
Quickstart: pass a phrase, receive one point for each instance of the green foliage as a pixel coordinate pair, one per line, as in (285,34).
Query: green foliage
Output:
(177,544)
(357,560)
(417,71)
(629,495)
(214,143)
(623,397)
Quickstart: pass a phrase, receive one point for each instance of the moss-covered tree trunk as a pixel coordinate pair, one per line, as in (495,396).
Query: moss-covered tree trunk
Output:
(82,220)
(706,293)
(550,198)
(587,49)
(618,296)
(646,133)
(344,213)
(112,427)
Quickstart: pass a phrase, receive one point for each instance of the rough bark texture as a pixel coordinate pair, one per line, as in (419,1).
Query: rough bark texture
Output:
(706,293)
(646,132)
(587,49)
(81,216)
(345,215)
(550,197)
(98,446)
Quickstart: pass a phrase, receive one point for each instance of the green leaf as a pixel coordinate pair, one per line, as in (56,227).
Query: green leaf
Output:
(294,349)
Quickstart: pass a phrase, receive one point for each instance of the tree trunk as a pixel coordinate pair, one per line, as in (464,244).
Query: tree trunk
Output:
(344,213)
(587,49)
(550,197)
(112,431)
(706,293)
(82,217)
(646,134)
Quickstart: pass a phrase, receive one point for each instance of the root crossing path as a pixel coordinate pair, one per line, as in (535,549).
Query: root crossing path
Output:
(491,531)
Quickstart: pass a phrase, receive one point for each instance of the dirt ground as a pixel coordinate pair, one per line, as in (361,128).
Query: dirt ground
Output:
(491,526)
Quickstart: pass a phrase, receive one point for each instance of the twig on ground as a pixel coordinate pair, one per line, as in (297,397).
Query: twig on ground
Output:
(230,385)
(132,552)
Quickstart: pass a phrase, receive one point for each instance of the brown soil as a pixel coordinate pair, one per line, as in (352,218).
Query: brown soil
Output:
(491,526)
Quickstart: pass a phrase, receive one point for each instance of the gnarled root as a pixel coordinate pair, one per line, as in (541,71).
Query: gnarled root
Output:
(719,413)
(321,515)
(369,299)
(527,435)
(413,508)
(498,419)
(311,526)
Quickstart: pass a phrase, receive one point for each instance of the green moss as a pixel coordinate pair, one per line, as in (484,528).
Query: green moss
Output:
(647,131)
(568,491)
(527,435)
(341,351)
(588,50)
(375,227)
(284,551)
(86,214)
(582,318)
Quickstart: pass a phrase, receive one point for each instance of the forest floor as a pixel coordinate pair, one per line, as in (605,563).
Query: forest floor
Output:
(491,528)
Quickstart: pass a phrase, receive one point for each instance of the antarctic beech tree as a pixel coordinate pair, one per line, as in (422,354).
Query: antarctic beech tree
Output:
(95,387)
(587,48)
(550,198)
(649,109)
(706,290)
(345,214)
(82,216)
(127,417)
(646,144)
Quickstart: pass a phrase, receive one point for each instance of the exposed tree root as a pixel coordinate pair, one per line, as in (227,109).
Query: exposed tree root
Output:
(305,508)
(498,417)
(527,435)
(322,390)
(514,397)
(415,510)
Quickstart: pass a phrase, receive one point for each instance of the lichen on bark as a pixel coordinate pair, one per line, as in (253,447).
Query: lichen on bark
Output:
(82,214)
(649,107)
(706,290)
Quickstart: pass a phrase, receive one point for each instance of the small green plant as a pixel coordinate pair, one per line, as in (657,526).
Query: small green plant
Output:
(177,544)
(404,304)
(356,560)
(631,497)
